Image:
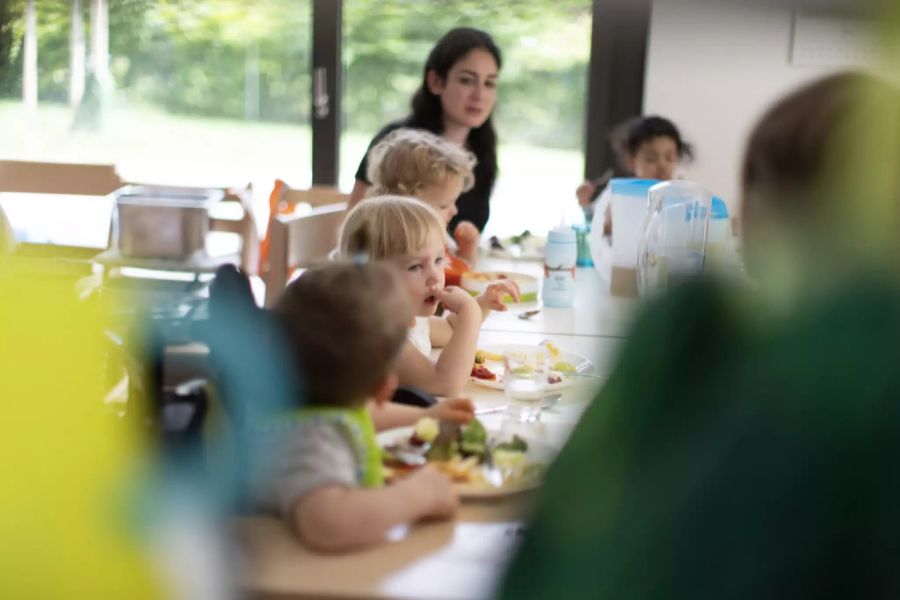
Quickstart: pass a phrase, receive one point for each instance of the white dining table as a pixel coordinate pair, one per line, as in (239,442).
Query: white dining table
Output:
(463,558)
(594,313)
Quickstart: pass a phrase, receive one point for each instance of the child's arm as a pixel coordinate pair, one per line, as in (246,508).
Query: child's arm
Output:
(389,414)
(466,236)
(492,297)
(459,336)
(337,518)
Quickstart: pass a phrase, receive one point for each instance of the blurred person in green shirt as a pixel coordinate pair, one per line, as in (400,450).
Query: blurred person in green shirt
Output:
(746,445)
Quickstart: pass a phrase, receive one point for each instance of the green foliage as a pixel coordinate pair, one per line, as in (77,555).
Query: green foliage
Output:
(11,26)
(546,47)
(236,59)
(196,58)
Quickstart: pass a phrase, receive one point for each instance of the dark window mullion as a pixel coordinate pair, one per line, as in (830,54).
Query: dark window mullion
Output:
(326,117)
(616,74)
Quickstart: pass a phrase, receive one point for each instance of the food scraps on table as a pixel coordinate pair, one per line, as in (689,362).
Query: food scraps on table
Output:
(479,371)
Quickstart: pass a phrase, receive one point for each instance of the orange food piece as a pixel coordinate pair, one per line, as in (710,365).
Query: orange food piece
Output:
(454,267)
(482,372)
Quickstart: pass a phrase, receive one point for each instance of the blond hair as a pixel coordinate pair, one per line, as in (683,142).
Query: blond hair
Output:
(387,227)
(408,160)
(347,324)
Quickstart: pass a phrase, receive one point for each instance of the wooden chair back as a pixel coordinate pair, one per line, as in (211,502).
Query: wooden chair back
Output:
(314,196)
(298,240)
(58,178)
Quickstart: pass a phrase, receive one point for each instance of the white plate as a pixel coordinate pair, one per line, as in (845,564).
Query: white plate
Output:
(516,254)
(581,364)
(475,282)
(532,250)
(536,453)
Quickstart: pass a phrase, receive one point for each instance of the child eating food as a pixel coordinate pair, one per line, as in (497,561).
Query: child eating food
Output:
(417,163)
(347,324)
(651,148)
(411,235)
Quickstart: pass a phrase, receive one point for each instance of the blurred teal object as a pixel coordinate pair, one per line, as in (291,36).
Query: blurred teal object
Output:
(584,248)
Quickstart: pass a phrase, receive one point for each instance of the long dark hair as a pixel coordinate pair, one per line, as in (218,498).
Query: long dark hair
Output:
(426,107)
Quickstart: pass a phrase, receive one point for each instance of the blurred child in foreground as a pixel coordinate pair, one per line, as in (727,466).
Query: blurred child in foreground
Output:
(348,324)
(759,461)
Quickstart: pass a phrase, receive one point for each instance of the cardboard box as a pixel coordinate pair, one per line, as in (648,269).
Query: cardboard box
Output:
(623,282)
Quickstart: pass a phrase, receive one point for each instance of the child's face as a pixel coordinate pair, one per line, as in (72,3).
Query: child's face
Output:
(423,273)
(442,196)
(657,158)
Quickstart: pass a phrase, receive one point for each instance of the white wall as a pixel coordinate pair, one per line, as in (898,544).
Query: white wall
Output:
(713,67)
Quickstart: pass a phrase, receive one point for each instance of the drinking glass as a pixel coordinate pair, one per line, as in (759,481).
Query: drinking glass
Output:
(525,381)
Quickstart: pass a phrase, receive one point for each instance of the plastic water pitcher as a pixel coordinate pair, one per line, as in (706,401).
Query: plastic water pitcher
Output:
(560,255)
(672,248)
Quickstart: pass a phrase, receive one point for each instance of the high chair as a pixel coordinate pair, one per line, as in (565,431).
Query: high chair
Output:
(300,235)
(241,221)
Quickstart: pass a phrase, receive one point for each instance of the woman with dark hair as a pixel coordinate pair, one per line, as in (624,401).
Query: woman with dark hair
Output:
(456,100)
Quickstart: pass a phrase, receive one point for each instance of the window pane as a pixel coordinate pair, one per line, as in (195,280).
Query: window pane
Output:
(540,104)
(200,91)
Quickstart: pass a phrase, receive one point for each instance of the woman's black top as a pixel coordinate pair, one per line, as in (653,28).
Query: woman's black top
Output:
(473,205)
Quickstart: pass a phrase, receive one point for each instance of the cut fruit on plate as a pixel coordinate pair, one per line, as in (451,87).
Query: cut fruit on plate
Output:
(566,368)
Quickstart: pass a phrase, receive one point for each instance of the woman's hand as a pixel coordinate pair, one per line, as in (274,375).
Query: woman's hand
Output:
(454,410)
(492,297)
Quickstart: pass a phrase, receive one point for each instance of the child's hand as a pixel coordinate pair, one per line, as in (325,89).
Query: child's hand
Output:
(492,297)
(585,193)
(466,235)
(456,300)
(437,491)
(455,410)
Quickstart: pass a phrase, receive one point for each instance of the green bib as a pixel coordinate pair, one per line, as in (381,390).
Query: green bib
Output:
(357,425)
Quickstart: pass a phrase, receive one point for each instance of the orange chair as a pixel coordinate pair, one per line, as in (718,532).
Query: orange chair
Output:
(299,235)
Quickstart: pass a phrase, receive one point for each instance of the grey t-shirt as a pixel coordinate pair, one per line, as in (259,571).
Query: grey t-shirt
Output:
(300,458)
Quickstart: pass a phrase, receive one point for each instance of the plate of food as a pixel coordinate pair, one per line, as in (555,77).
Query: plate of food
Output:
(481,463)
(566,368)
(524,246)
(475,282)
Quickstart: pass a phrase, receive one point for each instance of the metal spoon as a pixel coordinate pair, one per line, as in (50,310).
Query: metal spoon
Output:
(528,314)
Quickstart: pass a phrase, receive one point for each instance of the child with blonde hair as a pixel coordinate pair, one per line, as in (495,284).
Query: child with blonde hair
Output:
(418,163)
(411,235)
(346,324)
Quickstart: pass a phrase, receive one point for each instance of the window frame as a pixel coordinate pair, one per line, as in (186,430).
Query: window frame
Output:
(615,90)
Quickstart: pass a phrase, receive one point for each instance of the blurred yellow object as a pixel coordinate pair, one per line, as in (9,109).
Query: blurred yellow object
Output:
(68,462)
(483,355)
